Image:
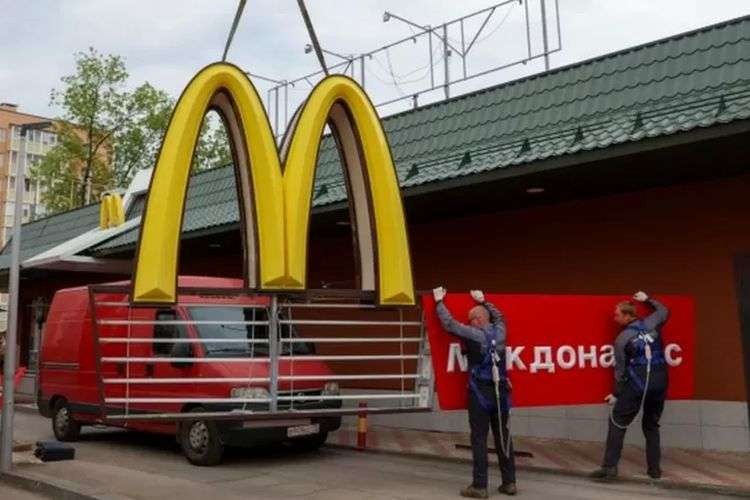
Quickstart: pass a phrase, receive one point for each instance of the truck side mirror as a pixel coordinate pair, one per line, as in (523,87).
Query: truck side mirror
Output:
(182,350)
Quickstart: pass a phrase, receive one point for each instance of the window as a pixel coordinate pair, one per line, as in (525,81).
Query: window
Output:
(167,331)
(26,184)
(12,182)
(25,212)
(2,134)
(255,334)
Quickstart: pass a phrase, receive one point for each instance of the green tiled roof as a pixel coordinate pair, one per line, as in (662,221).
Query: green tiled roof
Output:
(44,234)
(688,81)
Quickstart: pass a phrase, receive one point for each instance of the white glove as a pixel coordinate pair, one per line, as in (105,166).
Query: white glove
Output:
(610,399)
(640,296)
(477,295)
(439,293)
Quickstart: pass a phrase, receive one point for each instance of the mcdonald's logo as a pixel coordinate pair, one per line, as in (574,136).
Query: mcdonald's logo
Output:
(111,211)
(275,188)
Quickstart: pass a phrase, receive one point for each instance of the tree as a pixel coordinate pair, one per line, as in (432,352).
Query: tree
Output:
(105,132)
(212,150)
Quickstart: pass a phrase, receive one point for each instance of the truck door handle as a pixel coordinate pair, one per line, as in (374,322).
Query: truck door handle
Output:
(149,369)
(120,369)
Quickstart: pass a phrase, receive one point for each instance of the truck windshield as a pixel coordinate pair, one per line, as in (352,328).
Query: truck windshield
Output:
(226,323)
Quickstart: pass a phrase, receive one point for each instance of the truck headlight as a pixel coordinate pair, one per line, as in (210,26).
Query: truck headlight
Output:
(331,389)
(249,393)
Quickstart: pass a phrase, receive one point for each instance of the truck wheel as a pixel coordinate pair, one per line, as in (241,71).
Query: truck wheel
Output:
(310,443)
(63,424)
(200,441)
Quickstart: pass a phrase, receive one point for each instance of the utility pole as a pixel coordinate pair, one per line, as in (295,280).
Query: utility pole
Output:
(9,365)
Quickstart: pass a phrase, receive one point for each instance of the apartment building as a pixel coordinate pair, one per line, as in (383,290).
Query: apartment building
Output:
(39,143)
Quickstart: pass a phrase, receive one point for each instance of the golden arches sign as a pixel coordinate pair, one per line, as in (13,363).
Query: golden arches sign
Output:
(111,211)
(275,190)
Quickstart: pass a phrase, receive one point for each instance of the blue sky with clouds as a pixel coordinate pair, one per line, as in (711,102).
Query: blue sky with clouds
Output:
(166,41)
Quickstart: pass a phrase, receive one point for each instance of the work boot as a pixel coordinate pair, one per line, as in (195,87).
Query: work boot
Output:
(604,473)
(472,492)
(508,488)
(654,473)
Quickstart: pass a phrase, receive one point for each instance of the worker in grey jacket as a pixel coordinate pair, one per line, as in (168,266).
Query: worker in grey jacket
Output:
(640,382)
(489,405)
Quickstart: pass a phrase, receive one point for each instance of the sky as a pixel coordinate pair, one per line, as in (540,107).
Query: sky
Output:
(165,42)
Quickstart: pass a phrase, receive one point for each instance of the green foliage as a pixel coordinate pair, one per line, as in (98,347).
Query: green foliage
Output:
(106,133)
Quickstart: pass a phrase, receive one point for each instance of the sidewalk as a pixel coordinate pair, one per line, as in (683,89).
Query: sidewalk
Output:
(714,471)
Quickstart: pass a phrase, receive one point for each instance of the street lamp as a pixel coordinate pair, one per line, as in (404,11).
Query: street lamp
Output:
(9,366)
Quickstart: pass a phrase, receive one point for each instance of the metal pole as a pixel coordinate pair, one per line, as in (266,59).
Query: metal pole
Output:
(273,352)
(432,65)
(559,35)
(9,366)
(544,34)
(362,70)
(463,47)
(286,105)
(276,112)
(528,27)
(446,64)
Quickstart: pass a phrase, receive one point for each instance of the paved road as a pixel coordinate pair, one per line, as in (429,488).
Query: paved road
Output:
(8,492)
(131,465)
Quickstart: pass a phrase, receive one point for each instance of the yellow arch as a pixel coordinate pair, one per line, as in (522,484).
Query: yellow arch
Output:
(279,202)
(155,278)
(394,272)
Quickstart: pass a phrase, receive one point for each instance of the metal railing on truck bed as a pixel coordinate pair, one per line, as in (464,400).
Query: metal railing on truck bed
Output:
(319,353)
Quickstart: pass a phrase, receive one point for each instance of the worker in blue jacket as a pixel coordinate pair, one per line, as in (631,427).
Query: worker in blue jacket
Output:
(489,404)
(640,382)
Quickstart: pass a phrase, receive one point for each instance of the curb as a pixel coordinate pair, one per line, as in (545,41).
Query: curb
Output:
(26,408)
(51,488)
(666,484)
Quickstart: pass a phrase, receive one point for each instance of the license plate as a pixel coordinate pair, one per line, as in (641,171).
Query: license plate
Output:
(302,430)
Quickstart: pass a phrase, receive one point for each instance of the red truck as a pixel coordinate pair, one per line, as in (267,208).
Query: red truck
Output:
(198,356)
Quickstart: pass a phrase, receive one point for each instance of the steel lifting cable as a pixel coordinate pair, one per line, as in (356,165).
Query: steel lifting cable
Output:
(233,29)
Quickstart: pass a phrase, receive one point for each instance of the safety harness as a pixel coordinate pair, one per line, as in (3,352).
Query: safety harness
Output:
(646,352)
(492,370)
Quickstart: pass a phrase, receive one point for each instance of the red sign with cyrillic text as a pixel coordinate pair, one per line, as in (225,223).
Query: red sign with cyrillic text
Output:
(559,347)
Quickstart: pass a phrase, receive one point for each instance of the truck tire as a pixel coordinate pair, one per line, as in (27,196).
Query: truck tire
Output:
(63,424)
(200,441)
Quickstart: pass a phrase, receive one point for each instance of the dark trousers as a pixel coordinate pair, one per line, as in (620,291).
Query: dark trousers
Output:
(480,421)
(625,410)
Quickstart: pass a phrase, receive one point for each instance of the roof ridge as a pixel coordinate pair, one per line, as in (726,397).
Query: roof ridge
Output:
(561,124)
(609,55)
(708,65)
(500,118)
